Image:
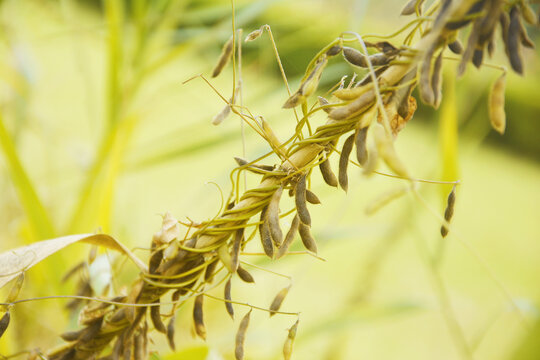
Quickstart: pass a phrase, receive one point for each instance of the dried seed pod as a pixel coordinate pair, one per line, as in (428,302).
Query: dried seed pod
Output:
(497,115)
(294,100)
(209,271)
(155,316)
(362,103)
(360,142)
(170,333)
(478,57)
(327,173)
(244,275)
(139,351)
(71,335)
(344,162)
(311,197)
(334,50)
(307,238)
(354,57)
(266,237)
(525,39)
(449,211)
(225,257)
(235,251)
(528,13)
(198,319)
(436,81)
(300,201)
(324,102)
(91,331)
(289,237)
(311,82)
(288,346)
(241,336)
(513,41)
(128,348)
(352,93)
(226,53)
(270,135)
(155,261)
(227,295)
(411,6)
(254,34)
(424,83)
(273,217)
(224,113)
(278,300)
(456,47)
(15,288)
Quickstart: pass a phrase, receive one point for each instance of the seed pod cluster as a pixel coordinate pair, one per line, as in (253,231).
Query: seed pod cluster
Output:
(449,211)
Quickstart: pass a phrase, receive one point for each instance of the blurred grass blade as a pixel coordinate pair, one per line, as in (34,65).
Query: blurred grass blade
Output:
(114,13)
(38,218)
(448,134)
(15,261)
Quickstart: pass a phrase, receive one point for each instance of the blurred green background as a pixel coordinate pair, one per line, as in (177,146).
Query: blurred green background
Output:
(98,133)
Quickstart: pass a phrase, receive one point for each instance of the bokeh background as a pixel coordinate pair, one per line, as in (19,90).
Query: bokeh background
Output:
(98,133)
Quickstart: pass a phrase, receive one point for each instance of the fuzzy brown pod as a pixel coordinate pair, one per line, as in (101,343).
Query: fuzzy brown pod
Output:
(4,323)
(272,214)
(289,237)
(360,142)
(91,331)
(170,333)
(224,57)
(71,335)
(513,41)
(312,198)
(227,296)
(327,173)
(436,80)
(139,350)
(334,50)
(449,211)
(236,247)
(354,57)
(344,162)
(497,115)
(288,346)
(198,319)
(224,113)
(456,47)
(209,271)
(155,316)
(307,239)
(266,237)
(300,201)
(424,82)
(244,275)
(294,100)
(241,337)
(278,300)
